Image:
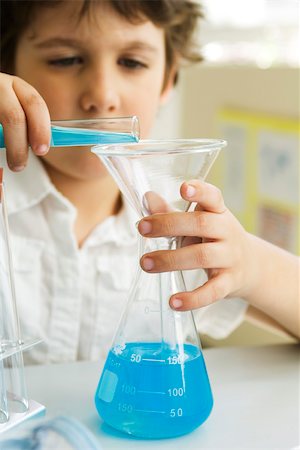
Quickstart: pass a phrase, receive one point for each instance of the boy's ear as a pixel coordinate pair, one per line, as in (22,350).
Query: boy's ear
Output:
(169,86)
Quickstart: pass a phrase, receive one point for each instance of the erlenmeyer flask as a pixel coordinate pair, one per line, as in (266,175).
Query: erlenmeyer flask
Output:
(154,383)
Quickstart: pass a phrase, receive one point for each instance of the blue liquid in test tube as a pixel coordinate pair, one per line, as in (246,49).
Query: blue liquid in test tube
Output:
(144,390)
(87,133)
(65,137)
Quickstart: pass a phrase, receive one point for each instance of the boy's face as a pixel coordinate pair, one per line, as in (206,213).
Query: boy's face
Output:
(100,66)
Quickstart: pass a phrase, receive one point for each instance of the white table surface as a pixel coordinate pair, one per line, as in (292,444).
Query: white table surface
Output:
(256,395)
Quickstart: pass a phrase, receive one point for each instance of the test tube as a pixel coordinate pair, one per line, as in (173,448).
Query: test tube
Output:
(13,395)
(4,415)
(85,132)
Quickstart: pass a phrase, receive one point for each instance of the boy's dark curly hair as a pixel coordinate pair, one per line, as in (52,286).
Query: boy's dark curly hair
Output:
(178,19)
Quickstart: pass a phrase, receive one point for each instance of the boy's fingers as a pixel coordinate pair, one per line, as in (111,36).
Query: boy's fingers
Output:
(198,223)
(155,203)
(214,289)
(37,116)
(25,120)
(208,197)
(13,121)
(205,256)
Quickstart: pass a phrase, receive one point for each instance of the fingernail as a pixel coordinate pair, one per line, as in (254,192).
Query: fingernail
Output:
(148,263)
(41,149)
(190,191)
(18,168)
(145,227)
(177,303)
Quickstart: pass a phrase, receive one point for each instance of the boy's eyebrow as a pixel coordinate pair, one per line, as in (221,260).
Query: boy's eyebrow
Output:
(139,45)
(58,41)
(70,42)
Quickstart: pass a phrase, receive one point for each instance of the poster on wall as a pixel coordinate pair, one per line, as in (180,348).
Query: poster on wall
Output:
(259,174)
(235,166)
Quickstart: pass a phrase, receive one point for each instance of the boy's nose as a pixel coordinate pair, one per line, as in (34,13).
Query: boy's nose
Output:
(100,95)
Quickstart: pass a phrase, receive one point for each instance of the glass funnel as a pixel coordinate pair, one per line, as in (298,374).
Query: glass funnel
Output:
(154,383)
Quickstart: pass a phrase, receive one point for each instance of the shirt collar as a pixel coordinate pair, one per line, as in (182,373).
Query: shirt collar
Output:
(119,229)
(28,187)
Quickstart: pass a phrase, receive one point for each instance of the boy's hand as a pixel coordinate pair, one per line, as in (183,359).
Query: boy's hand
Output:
(25,120)
(213,240)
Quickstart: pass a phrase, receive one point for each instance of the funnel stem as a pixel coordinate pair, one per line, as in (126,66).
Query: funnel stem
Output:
(164,279)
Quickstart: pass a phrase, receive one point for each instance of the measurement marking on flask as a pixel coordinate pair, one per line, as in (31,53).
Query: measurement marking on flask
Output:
(154,360)
(149,411)
(151,392)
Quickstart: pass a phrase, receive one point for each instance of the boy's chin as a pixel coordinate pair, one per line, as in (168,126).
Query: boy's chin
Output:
(86,171)
(75,163)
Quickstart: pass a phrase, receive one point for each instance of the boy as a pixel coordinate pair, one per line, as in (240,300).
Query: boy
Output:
(74,243)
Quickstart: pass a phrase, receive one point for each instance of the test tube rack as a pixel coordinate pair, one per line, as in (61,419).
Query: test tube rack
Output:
(15,407)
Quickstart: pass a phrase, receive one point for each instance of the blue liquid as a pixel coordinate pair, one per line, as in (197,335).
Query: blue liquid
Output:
(148,391)
(64,136)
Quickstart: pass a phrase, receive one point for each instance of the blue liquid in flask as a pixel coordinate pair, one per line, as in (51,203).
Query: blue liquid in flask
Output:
(151,391)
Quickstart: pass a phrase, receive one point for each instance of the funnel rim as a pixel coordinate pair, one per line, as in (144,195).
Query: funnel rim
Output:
(159,146)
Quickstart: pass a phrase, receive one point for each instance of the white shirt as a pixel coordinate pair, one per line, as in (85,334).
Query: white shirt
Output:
(73,298)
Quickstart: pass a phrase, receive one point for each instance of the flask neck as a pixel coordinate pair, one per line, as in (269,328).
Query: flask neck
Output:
(148,316)
(148,245)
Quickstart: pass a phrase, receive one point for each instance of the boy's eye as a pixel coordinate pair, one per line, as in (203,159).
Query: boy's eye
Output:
(131,63)
(66,62)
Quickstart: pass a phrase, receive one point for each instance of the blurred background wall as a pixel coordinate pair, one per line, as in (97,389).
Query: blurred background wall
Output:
(247,91)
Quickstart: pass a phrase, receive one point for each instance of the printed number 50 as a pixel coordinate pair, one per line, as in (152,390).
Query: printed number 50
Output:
(176,412)
(135,358)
